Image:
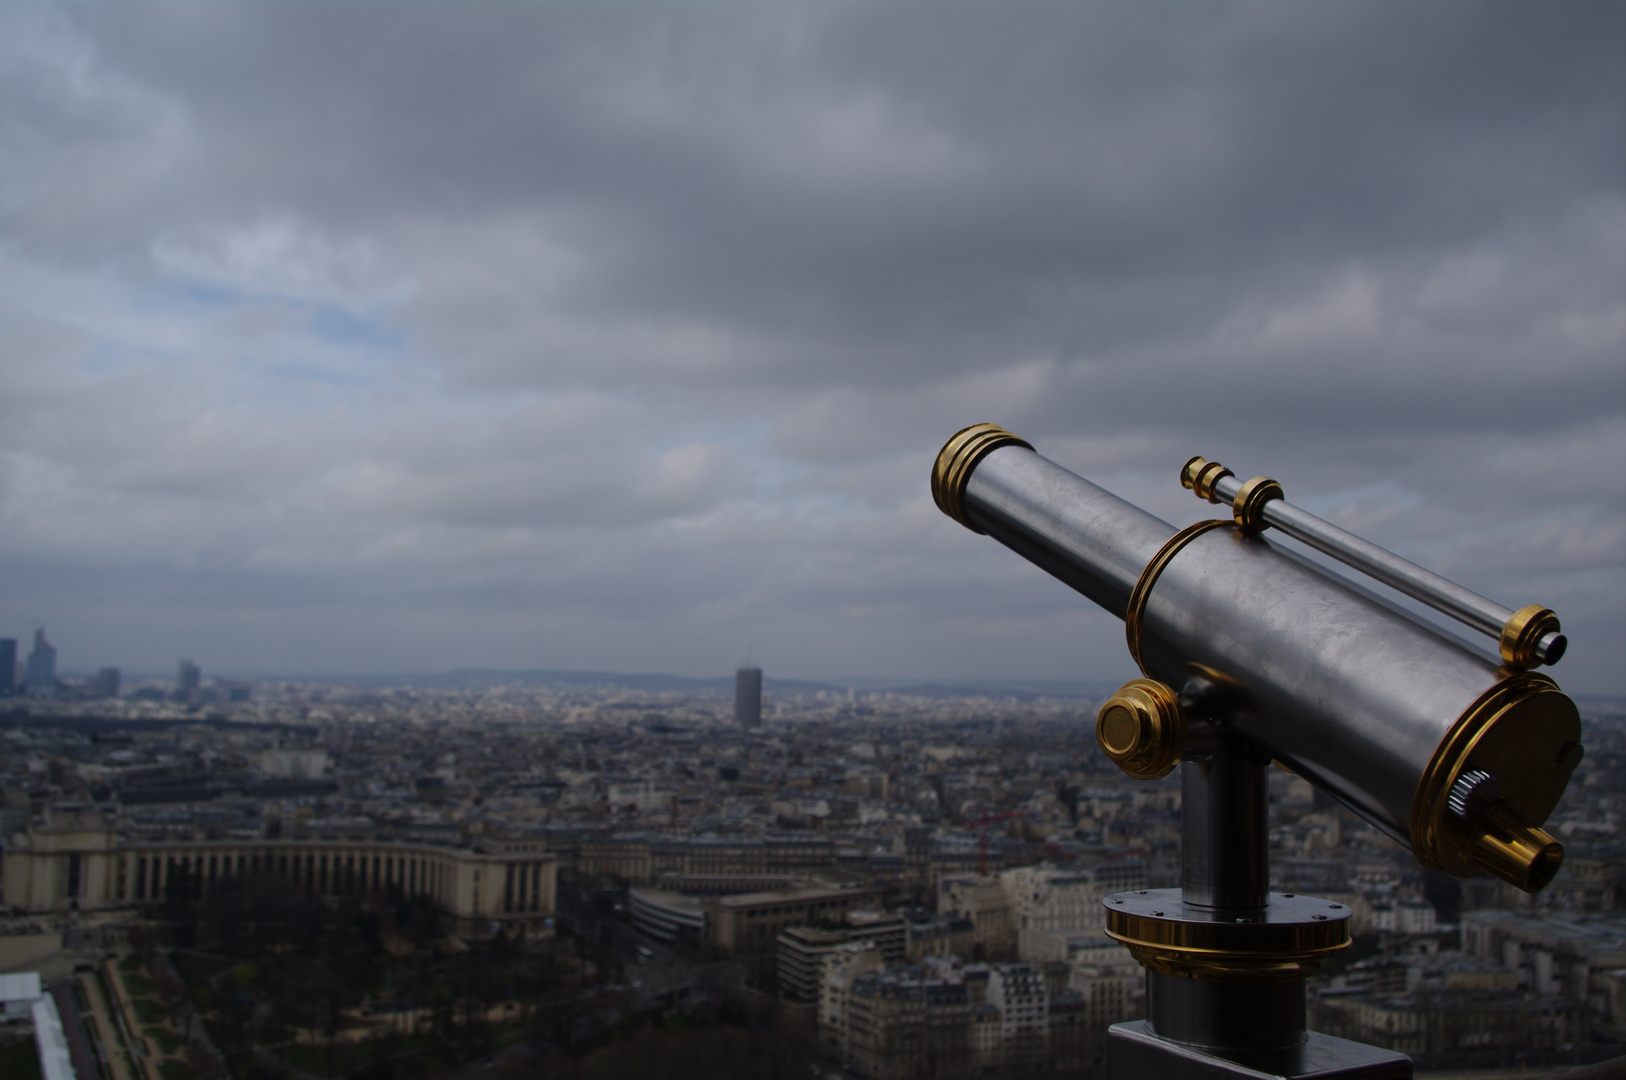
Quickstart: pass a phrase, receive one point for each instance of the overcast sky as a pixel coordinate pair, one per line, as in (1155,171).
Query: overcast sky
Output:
(346,338)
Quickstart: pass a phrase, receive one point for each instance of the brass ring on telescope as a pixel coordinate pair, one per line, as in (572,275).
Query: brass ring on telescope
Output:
(1288,939)
(958,458)
(1148,578)
(1523,732)
(1249,504)
(1200,475)
(1523,633)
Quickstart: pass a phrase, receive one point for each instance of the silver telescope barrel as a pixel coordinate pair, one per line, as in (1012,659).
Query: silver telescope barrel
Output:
(1456,757)
(1526,637)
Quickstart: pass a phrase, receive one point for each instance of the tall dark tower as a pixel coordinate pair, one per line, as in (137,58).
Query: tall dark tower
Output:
(42,666)
(8,666)
(748,696)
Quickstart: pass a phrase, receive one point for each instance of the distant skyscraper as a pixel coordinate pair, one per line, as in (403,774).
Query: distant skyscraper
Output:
(188,676)
(42,665)
(748,696)
(107,682)
(8,666)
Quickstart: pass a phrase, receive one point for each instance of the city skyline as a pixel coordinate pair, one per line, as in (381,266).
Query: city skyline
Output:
(605,339)
(721,681)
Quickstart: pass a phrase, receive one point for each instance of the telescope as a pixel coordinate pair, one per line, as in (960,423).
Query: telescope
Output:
(1251,654)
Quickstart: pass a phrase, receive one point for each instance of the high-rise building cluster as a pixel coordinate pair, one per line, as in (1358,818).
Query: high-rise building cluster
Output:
(35,675)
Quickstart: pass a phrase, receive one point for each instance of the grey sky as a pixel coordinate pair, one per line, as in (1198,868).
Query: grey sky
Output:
(405,337)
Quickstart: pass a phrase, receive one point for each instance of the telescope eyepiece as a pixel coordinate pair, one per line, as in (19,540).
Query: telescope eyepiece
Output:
(956,461)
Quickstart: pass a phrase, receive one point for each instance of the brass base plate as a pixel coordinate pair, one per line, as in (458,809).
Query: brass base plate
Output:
(1288,939)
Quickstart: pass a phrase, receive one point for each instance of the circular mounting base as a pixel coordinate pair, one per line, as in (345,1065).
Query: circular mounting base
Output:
(1287,939)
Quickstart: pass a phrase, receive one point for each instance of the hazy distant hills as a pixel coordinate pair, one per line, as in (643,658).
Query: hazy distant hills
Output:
(659,683)
(1023,689)
(649,682)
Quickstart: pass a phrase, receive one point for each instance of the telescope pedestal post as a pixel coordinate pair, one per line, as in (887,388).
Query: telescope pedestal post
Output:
(1225,832)
(1238,1009)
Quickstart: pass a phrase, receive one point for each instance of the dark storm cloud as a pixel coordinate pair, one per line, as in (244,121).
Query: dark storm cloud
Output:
(1059,179)
(655,315)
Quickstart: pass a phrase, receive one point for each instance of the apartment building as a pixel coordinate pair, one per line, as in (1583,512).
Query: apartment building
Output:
(838,970)
(903,1023)
(940,935)
(944,1018)
(749,924)
(801,950)
(74,860)
(1568,956)
(985,903)
(1018,991)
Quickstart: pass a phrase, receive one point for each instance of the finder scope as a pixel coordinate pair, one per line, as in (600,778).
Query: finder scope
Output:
(1459,755)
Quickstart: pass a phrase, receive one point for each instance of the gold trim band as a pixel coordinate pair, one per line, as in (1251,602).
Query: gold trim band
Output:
(1289,940)
(1214,965)
(957,459)
(1200,475)
(1148,578)
(1523,633)
(1249,504)
(1523,732)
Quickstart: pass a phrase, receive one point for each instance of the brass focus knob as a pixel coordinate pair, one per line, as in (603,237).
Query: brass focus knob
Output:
(1142,729)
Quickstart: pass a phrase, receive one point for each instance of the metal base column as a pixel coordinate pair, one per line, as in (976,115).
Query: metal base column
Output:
(1226,960)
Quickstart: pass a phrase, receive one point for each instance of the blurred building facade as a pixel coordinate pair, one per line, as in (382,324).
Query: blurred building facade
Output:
(42,666)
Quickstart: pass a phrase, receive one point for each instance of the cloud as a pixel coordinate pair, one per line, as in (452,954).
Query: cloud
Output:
(613,336)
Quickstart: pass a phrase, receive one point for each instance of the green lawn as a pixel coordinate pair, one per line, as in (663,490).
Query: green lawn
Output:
(348,1057)
(196,970)
(168,1042)
(149,1011)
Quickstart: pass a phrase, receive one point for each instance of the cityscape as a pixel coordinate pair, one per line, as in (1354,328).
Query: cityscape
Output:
(812,541)
(556,871)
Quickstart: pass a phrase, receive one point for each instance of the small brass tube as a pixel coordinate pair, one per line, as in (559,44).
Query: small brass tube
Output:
(1518,853)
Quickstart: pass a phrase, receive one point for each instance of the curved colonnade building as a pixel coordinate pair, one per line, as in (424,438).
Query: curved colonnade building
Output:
(74,860)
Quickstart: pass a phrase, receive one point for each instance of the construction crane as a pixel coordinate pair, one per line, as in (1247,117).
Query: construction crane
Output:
(982,837)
